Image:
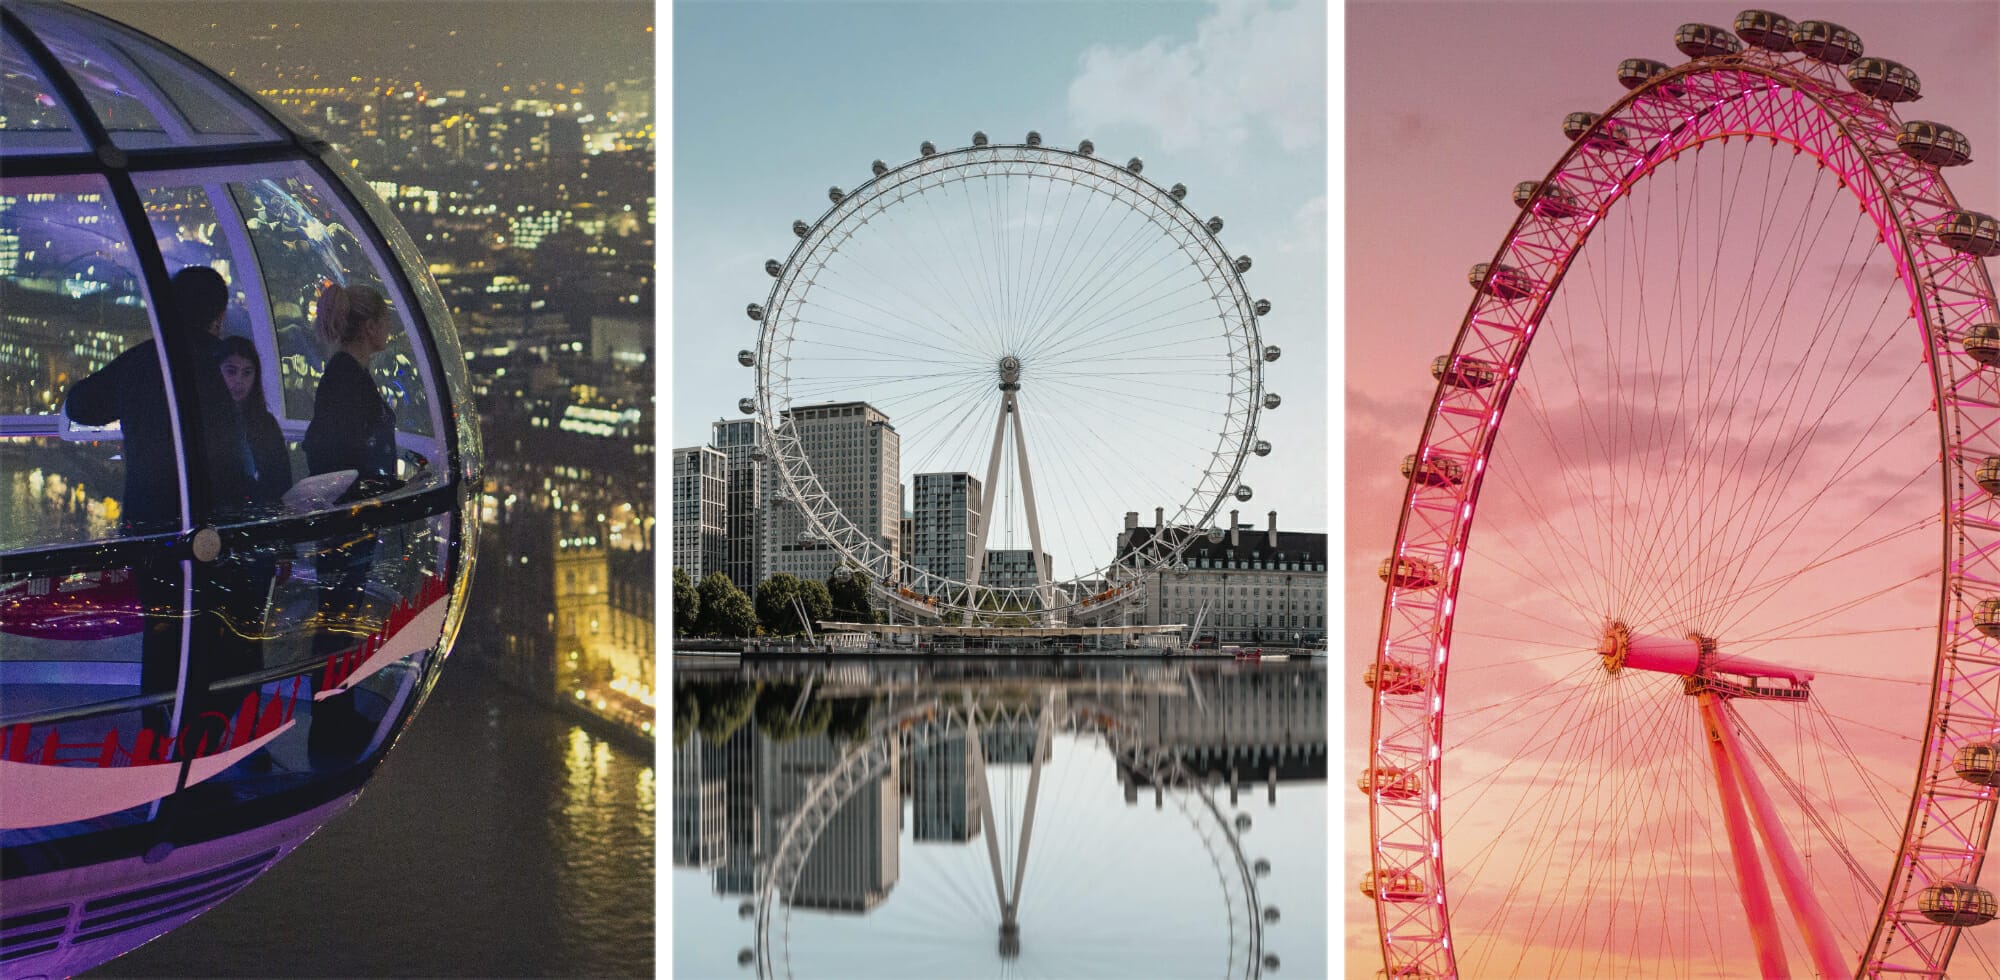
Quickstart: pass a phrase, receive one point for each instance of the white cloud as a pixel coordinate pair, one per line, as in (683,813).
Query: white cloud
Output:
(1254,71)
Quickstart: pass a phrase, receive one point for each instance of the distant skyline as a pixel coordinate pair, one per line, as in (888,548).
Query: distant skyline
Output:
(470,44)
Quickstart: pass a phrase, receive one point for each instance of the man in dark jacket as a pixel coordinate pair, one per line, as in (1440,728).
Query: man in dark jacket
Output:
(132,392)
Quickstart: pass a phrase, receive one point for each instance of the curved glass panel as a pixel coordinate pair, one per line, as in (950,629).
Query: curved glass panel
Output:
(276,666)
(144,96)
(304,239)
(109,84)
(71,303)
(200,102)
(450,353)
(32,119)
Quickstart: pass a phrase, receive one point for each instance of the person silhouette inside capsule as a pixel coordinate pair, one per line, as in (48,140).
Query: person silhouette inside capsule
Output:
(251,575)
(271,464)
(352,428)
(132,391)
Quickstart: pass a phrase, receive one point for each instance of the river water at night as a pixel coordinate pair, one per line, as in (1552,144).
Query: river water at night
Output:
(500,839)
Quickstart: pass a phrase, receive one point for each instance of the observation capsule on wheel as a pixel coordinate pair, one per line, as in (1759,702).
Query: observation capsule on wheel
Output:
(746,357)
(1934,143)
(1394,886)
(836,195)
(1178,192)
(1261,448)
(1977,763)
(1034,138)
(1214,225)
(1086,148)
(1553,201)
(801,229)
(1883,79)
(1271,400)
(1764,29)
(878,168)
(1242,264)
(774,268)
(1262,306)
(1986,616)
(1243,491)
(747,406)
(754,311)
(1500,279)
(1578,125)
(1705,41)
(1982,343)
(1824,40)
(1957,903)
(1389,783)
(1395,677)
(927,148)
(1988,475)
(1405,572)
(978,138)
(1634,72)
(1272,352)
(1437,471)
(1464,372)
(1971,233)
(1135,165)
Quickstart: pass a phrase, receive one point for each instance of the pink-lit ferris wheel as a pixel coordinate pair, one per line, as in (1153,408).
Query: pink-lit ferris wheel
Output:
(1730,692)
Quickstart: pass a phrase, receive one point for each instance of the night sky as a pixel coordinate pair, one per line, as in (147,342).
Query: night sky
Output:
(444,44)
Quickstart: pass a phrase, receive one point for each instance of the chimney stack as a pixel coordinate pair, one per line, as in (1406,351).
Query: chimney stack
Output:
(1131,520)
(1159,518)
(1271,537)
(1235,533)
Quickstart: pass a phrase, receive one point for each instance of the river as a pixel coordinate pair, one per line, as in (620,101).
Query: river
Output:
(500,839)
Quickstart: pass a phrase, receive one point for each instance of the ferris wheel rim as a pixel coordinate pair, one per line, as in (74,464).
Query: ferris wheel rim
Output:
(777,880)
(1124,573)
(1914,255)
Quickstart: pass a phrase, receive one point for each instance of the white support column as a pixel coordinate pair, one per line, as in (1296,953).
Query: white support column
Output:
(992,834)
(1035,556)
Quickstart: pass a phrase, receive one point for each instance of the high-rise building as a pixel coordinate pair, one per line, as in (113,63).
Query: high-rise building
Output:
(1013,569)
(943,804)
(745,499)
(857,457)
(1253,586)
(699,488)
(944,522)
(698,831)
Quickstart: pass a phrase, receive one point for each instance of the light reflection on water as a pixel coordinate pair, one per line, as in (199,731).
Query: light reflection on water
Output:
(500,839)
(1115,878)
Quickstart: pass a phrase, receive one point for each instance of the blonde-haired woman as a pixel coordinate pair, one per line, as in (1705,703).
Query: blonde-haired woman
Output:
(352,427)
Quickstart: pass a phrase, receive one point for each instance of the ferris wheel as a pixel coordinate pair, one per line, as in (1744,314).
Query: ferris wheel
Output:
(985,299)
(1729,614)
(1060,897)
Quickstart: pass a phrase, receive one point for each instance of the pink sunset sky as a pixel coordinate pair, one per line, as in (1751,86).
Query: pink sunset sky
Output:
(1448,106)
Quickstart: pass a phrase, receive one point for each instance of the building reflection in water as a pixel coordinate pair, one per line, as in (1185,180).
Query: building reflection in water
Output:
(1101,802)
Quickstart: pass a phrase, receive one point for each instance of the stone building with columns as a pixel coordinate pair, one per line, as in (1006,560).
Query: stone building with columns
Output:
(1257,586)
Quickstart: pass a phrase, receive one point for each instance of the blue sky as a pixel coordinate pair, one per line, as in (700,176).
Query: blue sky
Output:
(775,102)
